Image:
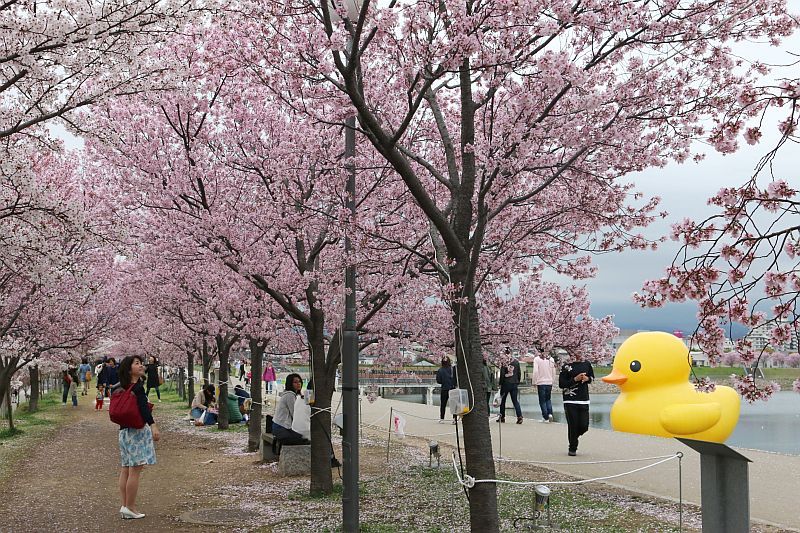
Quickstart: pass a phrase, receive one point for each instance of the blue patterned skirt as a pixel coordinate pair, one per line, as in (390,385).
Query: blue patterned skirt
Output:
(136,447)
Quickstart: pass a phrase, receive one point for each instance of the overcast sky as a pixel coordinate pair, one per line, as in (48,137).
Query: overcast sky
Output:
(684,190)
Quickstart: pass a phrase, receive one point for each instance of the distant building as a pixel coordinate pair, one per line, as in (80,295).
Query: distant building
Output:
(759,336)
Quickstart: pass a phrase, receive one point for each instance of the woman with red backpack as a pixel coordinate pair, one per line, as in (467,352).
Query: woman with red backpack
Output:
(137,432)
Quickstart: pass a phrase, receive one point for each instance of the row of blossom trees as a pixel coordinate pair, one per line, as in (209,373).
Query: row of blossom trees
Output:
(494,141)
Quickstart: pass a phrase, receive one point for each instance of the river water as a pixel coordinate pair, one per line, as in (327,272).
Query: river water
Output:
(772,426)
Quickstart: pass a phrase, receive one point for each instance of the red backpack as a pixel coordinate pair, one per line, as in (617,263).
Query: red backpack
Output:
(124,410)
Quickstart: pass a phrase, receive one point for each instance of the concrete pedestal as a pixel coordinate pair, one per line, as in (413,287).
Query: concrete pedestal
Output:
(295,460)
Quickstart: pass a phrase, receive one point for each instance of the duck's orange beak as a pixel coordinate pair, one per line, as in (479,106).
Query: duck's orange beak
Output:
(616,377)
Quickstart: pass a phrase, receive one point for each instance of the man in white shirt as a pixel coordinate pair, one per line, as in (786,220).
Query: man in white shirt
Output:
(544,373)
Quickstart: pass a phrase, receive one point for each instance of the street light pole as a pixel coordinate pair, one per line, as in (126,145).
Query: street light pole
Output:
(350,352)
(350,410)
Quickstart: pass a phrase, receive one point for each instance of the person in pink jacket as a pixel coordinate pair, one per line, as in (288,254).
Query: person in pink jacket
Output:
(544,373)
(269,378)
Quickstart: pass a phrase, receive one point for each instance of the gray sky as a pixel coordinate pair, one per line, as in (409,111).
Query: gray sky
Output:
(684,190)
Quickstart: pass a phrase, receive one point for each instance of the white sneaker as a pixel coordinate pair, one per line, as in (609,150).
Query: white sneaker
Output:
(550,418)
(543,420)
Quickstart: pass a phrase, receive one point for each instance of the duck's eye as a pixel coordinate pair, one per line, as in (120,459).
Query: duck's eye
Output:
(636,366)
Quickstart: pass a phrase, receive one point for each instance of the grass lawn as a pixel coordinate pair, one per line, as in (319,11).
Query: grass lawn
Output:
(408,497)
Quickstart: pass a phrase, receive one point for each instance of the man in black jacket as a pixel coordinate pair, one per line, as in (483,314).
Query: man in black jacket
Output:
(574,381)
(510,377)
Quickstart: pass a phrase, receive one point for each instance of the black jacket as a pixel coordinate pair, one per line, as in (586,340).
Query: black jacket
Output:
(446,377)
(575,391)
(108,376)
(514,378)
(152,375)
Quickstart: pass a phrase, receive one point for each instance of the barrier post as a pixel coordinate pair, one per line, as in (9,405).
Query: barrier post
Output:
(389,440)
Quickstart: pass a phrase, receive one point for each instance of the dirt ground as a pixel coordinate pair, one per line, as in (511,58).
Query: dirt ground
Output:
(69,481)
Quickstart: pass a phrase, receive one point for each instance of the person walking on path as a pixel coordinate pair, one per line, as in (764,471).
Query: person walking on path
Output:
(510,377)
(85,375)
(66,381)
(269,378)
(136,447)
(69,381)
(574,380)
(153,380)
(544,373)
(446,377)
(108,375)
(488,381)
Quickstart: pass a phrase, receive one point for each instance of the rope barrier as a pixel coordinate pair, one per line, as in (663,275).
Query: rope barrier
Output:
(470,482)
(415,416)
(608,461)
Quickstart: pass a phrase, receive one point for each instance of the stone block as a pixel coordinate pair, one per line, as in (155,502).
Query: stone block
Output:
(295,460)
(266,448)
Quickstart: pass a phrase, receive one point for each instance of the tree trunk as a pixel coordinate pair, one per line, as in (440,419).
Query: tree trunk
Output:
(181,389)
(33,399)
(254,425)
(223,350)
(224,345)
(206,357)
(5,396)
(190,366)
(7,369)
(477,437)
(321,446)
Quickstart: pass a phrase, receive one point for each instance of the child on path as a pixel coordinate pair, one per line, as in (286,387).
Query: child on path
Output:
(98,404)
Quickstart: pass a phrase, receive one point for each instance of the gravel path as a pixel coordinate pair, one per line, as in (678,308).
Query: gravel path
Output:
(69,482)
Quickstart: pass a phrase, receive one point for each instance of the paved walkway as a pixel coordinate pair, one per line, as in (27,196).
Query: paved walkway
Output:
(774,478)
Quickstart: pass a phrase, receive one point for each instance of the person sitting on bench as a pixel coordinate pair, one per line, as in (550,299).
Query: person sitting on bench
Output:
(284,413)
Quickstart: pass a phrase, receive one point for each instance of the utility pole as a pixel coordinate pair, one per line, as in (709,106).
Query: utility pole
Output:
(350,351)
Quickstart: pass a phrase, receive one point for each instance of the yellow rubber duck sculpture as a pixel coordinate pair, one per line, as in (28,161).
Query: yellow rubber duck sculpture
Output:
(652,372)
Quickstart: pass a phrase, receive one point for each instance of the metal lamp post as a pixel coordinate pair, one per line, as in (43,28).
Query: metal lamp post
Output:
(350,477)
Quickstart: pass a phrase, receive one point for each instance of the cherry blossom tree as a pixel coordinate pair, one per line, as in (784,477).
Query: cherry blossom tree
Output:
(56,57)
(259,193)
(741,263)
(511,123)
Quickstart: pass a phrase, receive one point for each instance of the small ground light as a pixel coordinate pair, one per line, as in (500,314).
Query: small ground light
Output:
(433,451)
(541,503)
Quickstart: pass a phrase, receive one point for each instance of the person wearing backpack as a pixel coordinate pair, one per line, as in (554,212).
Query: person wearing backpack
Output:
(137,433)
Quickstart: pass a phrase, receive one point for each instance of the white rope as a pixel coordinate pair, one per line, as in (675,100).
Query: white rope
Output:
(416,416)
(608,461)
(406,434)
(470,482)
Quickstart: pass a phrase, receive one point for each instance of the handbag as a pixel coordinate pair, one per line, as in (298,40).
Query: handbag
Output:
(301,419)
(496,399)
(124,410)
(160,380)
(88,375)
